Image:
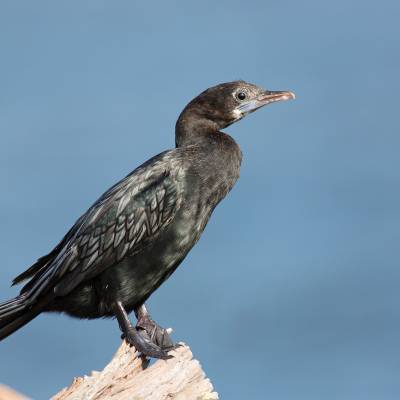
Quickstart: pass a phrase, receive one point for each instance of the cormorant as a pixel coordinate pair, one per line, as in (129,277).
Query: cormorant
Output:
(138,232)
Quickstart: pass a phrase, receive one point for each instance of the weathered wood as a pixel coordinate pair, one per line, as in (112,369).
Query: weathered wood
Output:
(7,393)
(129,377)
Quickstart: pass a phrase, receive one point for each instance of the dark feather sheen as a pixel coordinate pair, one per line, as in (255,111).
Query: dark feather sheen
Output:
(139,231)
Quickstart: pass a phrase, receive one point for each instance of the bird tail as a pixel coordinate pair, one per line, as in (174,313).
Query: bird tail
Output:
(16,313)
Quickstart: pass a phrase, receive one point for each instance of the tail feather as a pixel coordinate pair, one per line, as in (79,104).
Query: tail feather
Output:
(16,313)
(22,319)
(12,304)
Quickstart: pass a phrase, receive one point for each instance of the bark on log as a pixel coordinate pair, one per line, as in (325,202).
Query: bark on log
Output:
(128,377)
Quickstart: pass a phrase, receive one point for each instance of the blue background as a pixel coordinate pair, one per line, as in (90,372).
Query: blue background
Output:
(292,292)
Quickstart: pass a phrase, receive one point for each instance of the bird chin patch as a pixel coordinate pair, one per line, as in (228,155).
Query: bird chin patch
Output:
(238,115)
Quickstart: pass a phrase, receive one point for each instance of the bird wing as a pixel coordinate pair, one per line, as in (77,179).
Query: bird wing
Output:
(121,222)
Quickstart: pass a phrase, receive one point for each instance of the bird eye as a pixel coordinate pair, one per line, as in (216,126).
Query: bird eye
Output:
(241,95)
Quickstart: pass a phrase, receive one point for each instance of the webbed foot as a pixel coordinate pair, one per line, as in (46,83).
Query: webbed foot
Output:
(134,337)
(154,332)
(142,344)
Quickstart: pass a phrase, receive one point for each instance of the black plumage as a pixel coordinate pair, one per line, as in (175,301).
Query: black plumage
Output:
(135,235)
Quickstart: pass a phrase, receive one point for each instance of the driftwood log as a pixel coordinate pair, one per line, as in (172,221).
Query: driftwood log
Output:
(130,377)
(7,393)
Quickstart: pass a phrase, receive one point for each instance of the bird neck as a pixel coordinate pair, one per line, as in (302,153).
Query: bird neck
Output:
(191,129)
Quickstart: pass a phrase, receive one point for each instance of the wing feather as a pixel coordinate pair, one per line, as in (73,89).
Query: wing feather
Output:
(126,218)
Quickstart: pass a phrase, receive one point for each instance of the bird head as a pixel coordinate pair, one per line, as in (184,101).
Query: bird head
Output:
(226,103)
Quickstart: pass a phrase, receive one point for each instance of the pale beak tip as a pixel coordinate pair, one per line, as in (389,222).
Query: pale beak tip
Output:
(290,96)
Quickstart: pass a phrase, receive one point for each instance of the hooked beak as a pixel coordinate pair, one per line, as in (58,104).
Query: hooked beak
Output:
(265,98)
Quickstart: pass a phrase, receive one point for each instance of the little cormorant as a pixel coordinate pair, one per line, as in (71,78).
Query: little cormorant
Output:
(138,232)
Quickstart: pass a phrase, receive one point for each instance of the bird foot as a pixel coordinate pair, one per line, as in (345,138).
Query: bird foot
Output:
(155,333)
(144,345)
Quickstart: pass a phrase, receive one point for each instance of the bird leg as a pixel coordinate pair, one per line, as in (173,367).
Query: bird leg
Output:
(156,334)
(142,343)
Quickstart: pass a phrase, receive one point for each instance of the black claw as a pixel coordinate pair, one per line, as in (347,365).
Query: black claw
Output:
(144,346)
(174,346)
